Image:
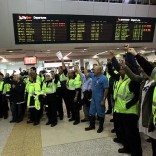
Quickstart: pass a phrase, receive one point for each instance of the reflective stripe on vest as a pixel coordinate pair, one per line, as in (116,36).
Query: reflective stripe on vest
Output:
(1,85)
(20,102)
(6,88)
(115,89)
(154,97)
(51,88)
(58,84)
(70,84)
(31,106)
(123,96)
(34,88)
(31,93)
(108,76)
(78,82)
(63,77)
(154,106)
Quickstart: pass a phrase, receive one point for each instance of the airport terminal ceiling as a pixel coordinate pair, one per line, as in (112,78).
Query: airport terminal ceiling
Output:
(83,51)
(140,33)
(76,45)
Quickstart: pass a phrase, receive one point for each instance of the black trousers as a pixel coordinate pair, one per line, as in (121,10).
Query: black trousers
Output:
(64,95)
(130,134)
(17,111)
(153,146)
(52,111)
(42,108)
(34,115)
(117,125)
(86,103)
(3,106)
(75,108)
(59,103)
(109,101)
(24,107)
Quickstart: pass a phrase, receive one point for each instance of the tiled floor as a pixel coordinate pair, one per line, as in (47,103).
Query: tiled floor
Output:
(5,130)
(66,132)
(63,140)
(24,140)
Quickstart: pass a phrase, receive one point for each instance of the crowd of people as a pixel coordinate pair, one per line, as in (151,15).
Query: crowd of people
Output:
(128,85)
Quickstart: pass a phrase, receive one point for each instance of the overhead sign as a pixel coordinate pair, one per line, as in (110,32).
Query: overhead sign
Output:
(46,29)
(30,60)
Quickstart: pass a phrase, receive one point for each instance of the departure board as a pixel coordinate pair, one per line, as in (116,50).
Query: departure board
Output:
(47,29)
(134,29)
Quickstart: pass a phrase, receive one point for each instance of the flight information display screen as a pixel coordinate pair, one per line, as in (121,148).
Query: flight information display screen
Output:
(46,29)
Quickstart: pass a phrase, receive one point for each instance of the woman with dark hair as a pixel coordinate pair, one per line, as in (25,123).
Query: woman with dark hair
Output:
(49,89)
(17,98)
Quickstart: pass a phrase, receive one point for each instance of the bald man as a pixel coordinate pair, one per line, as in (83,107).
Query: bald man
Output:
(99,94)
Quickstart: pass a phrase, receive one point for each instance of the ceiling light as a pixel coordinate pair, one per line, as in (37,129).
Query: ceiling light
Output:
(95,56)
(10,51)
(118,55)
(77,61)
(48,50)
(84,49)
(101,53)
(4,60)
(117,48)
(142,51)
(153,51)
(67,55)
(66,58)
(145,48)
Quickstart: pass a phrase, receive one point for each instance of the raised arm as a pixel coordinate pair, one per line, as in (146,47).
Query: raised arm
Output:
(63,64)
(145,65)
(130,74)
(112,73)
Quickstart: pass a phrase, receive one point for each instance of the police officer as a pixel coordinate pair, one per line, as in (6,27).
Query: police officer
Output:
(58,97)
(126,97)
(154,120)
(1,96)
(6,96)
(63,90)
(33,101)
(49,88)
(99,94)
(74,87)
(111,84)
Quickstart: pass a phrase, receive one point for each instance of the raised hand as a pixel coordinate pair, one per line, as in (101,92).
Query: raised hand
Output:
(132,51)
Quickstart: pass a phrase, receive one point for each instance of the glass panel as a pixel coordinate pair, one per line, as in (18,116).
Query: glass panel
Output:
(115,1)
(129,1)
(152,2)
(100,0)
(146,2)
